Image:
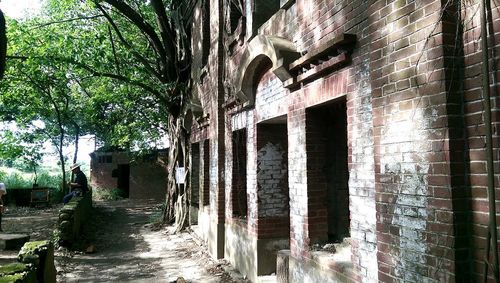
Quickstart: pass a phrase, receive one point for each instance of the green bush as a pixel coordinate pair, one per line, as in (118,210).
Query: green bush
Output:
(107,194)
(16,180)
(47,180)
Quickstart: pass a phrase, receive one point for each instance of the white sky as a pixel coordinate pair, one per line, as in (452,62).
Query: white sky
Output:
(19,8)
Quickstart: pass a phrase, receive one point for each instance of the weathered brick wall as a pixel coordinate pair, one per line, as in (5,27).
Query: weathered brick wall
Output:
(101,173)
(415,231)
(476,222)
(361,160)
(417,173)
(148,178)
(308,24)
(270,98)
(327,176)
(208,89)
(272,181)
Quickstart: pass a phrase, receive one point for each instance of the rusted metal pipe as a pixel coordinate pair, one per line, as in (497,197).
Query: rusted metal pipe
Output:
(489,144)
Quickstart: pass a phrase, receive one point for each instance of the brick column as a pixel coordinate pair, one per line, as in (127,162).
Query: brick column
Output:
(413,142)
(299,235)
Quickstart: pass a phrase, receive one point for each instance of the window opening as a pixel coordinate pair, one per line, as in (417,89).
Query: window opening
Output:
(206,172)
(239,184)
(263,10)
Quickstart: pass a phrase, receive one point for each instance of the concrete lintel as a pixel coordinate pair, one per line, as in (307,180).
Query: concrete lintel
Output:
(260,50)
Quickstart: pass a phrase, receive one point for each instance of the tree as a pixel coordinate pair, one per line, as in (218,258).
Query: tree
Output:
(22,148)
(39,90)
(129,63)
(157,35)
(3,44)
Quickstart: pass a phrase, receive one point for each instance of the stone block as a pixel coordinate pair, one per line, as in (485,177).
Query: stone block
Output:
(12,241)
(17,272)
(40,254)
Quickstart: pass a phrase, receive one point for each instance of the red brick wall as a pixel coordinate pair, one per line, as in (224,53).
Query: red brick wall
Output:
(272,181)
(476,194)
(415,132)
(413,144)
(309,24)
(148,179)
(208,87)
(327,176)
(101,173)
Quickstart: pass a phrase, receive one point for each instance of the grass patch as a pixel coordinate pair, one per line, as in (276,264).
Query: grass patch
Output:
(107,194)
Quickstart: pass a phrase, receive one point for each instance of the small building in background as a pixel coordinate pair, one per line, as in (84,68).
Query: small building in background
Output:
(142,177)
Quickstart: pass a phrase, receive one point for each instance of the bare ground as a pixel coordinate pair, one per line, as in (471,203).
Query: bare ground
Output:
(127,249)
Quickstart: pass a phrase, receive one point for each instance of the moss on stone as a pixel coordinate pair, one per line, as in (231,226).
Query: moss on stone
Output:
(30,251)
(35,246)
(25,274)
(19,277)
(70,206)
(13,268)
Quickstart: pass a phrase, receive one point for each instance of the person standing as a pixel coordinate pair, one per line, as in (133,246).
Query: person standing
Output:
(79,186)
(3,191)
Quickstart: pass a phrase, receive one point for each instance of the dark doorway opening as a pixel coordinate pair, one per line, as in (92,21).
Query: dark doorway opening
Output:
(123,179)
(327,172)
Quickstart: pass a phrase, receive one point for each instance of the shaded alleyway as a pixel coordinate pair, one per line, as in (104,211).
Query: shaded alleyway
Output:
(126,248)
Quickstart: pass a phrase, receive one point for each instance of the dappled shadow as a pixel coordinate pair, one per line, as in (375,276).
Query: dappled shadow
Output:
(115,231)
(128,250)
(38,223)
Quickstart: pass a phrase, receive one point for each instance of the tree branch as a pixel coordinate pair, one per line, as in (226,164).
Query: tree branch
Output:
(147,29)
(167,35)
(67,20)
(96,73)
(125,42)
(117,63)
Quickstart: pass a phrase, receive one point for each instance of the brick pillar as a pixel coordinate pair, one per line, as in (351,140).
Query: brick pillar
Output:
(299,235)
(413,142)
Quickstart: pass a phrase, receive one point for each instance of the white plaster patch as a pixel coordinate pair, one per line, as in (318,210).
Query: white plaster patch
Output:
(271,173)
(410,194)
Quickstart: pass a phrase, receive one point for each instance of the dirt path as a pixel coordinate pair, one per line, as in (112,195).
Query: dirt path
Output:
(127,250)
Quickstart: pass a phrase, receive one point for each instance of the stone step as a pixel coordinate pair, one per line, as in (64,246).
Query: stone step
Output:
(12,241)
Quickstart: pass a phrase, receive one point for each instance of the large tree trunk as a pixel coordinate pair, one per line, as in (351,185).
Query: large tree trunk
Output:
(3,44)
(177,206)
(75,155)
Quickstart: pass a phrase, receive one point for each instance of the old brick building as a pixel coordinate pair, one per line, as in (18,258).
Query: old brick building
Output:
(142,177)
(356,123)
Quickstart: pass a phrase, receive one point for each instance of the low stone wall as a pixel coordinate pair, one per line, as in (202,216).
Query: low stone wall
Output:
(35,264)
(17,272)
(72,217)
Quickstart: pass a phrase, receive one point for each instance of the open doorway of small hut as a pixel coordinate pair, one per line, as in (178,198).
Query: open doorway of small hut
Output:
(327,171)
(123,179)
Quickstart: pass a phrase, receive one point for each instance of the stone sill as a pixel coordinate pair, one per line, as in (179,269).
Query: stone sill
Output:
(239,222)
(339,261)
